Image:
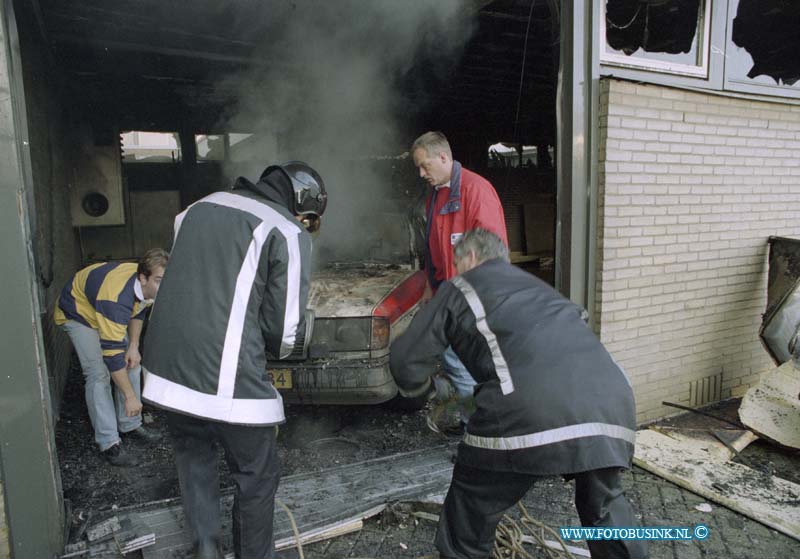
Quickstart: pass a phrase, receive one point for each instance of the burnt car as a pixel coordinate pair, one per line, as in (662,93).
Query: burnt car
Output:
(366,286)
(355,311)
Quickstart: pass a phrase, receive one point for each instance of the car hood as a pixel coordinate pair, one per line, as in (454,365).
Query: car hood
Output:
(341,290)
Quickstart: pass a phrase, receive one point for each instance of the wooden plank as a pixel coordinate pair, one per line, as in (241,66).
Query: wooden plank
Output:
(772,408)
(520,258)
(735,439)
(323,503)
(331,531)
(767,499)
(721,444)
(698,440)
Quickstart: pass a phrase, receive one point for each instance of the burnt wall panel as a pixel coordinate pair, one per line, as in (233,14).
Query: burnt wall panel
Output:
(518,187)
(50,135)
(4,547)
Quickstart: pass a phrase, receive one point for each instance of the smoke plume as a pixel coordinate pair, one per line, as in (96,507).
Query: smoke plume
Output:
(325,89)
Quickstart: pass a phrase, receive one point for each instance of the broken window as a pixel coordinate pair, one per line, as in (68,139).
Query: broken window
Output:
(505,154)
(666,35)
(150,147)
(764,45)
(210,147)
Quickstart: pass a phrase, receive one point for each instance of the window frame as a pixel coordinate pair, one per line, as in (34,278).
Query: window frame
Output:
(202,159)
(731,83)
(702,71)
(177,153)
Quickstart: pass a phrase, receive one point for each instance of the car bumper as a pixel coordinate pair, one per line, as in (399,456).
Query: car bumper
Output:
(338,381)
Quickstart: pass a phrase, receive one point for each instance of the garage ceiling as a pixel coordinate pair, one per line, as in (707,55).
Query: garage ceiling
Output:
(164,61)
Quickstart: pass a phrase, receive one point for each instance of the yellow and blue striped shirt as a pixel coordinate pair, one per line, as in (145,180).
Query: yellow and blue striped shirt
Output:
(103,296)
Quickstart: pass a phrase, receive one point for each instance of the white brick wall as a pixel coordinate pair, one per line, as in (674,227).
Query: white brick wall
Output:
(690,187)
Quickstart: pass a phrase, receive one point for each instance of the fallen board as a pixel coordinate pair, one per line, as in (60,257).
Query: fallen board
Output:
(321,502)
(772,408)
(709,440)
(772,501)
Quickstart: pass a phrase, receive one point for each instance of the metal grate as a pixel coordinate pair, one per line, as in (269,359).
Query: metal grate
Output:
(705,390)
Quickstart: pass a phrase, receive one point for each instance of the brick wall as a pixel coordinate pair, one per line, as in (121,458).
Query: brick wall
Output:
(690,187)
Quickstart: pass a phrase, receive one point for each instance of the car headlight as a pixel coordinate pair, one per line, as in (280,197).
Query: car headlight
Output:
(351,334)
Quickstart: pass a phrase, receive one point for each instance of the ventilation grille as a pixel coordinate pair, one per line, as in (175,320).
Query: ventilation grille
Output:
(705,390)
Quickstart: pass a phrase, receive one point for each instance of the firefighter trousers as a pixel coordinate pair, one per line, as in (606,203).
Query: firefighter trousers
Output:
(477,500)
(252,458)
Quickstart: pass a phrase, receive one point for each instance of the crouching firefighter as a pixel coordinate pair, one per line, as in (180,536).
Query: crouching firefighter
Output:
(235,293)
(549,399)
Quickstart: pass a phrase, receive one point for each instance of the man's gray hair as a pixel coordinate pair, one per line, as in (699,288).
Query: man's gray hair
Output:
(485,244)
(433,143)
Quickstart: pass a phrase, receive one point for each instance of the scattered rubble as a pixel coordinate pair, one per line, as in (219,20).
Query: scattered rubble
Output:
(770,500)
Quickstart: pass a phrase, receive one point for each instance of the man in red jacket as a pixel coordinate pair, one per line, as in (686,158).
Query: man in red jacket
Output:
(460,200)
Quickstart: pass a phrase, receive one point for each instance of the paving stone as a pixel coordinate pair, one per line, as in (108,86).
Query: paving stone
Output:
(650,503)
(661,550)
(671,497)
(714,546)
(687,550)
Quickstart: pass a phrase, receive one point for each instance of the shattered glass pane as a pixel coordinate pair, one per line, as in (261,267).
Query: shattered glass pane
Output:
(210,147)
(665,30)
(767,34)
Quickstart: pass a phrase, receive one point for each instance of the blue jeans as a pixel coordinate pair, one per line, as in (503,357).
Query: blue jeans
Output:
(461,379)
(106,412)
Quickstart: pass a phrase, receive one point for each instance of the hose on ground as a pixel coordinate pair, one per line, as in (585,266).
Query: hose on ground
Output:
(294,527)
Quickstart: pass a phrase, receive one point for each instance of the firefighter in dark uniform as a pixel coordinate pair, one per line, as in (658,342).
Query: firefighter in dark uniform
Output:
(237,293)
(550,399)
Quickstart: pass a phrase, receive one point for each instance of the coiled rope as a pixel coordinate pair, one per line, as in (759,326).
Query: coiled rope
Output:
(511,534)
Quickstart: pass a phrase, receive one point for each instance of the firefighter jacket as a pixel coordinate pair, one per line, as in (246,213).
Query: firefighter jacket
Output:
(104,296)
(235,290)
(468,202)
(549,398)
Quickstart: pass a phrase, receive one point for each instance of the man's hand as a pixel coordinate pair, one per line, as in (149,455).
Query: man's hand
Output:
(132,358)
(427,295)
(133,406)
(444,389)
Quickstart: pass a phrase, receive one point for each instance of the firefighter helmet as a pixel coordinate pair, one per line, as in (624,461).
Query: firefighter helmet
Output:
(308,196)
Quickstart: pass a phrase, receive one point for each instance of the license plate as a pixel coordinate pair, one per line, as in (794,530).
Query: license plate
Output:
(280,378)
